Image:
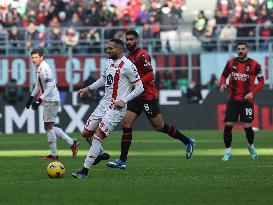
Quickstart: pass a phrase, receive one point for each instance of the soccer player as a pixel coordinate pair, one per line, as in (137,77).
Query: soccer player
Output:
(119,77)
(242,72)
(147,103)
(51,100)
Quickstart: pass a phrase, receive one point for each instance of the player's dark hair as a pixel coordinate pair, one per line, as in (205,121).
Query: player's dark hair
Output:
(38,51)
(117,41)
(132,32)
(241,43)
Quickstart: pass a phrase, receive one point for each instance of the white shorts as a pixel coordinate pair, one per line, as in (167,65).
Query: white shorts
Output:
(104,117)
(50,111)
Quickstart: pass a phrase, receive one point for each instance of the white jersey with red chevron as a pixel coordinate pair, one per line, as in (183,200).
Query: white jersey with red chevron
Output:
(119,75)
(46,84)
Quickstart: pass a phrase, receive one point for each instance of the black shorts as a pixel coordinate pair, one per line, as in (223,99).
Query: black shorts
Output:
(150,107)
(243,109)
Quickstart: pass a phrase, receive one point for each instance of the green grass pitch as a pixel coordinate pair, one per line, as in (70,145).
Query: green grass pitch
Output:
(157,172)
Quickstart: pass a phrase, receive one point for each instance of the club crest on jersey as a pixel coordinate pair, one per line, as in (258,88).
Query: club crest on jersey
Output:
(109,79)
(247,68)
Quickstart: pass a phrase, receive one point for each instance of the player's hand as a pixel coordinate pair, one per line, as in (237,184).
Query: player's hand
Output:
(36,104)
(223,87)
(249,96)
(118,104)
(29,101)
(82,91)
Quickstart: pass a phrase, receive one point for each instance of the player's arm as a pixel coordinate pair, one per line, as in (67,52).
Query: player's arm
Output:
(224,77)
(134,78)
(138,89)
(260,79)
(260,84)
(35,91)
(47,77)
(145,62)
(99,83)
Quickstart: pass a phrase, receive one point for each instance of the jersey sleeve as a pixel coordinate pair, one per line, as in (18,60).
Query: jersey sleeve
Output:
(144,61)
(258,71)
(103,73)
(132,73)
(225,74)
(36,90)
(101,81)
(48,79)
(134,78)
(226,70)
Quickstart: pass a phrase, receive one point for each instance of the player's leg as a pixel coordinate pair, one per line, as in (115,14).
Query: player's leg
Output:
(74,143)
(250,139)
(171,131)
(106,126)
(134,109)
(52,142)
(51,108)
(88,135)
(89,129)
(247,116)
(127,124)
(227,135)
(49,118)
(152,111)
(92,154)
(231,116)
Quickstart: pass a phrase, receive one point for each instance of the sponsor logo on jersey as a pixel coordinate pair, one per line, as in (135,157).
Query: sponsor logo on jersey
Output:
(109,79)
(240,76)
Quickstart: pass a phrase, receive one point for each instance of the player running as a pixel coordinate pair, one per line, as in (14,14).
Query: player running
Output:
(242,72)
(45,84)
(147,103)
(119,77)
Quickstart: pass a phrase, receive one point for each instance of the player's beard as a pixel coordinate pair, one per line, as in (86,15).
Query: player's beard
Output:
(113,57)
(130,48)
(242,56)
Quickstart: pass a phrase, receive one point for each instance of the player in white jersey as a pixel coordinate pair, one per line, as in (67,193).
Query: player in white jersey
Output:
(51,100)
(119,77)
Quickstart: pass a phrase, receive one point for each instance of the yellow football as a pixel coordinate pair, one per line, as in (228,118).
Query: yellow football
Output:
(55,170)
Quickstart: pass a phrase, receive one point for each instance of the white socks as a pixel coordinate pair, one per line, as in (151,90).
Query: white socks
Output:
(89,141)
(93,152)
(228,150)
(51,138)
(60,133)
(251,146)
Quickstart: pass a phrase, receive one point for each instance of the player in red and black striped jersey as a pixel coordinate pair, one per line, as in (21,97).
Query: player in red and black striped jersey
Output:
(147,102)
(242,72)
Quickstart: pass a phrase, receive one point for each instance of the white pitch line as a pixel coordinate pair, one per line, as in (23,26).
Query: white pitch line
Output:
(155,153)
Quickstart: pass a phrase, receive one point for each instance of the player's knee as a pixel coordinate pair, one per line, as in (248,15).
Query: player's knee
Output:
(100,134)
(87,133)
(48,126)
(249,131)
(126,123)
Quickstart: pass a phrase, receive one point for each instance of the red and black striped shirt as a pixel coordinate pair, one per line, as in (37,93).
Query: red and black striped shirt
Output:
(242,78)
(142,61)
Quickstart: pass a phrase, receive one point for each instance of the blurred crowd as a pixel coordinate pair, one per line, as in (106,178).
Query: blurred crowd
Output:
(58,24)
(236,19)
